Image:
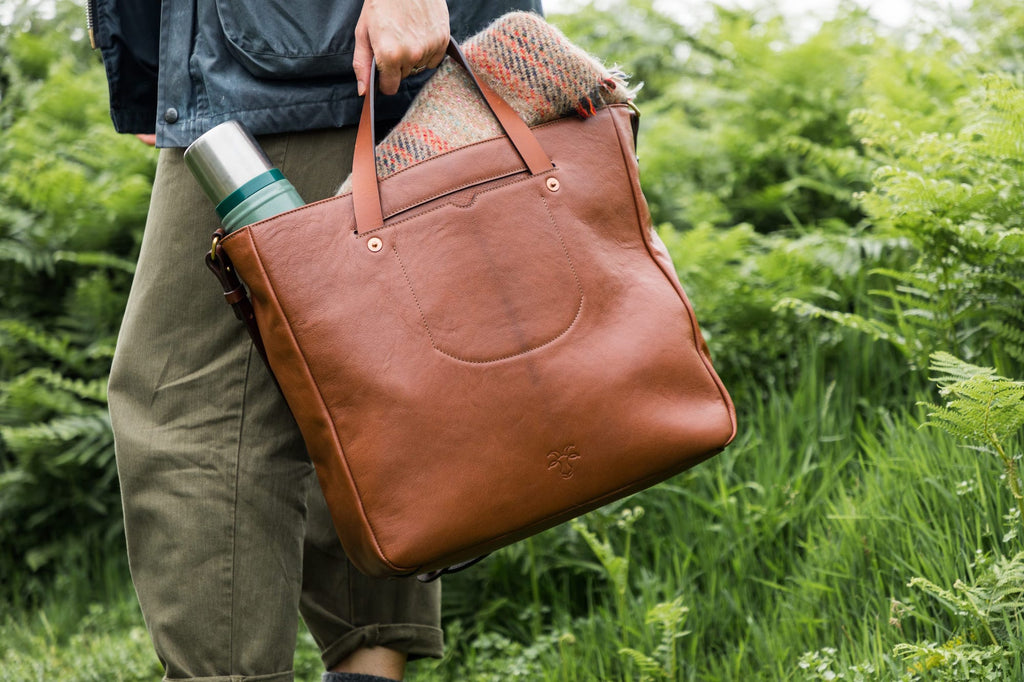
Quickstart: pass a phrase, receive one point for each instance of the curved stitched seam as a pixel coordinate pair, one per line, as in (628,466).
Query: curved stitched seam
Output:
(575,319)
(415,298)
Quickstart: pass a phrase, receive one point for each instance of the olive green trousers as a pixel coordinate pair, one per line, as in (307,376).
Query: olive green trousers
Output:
(228,534)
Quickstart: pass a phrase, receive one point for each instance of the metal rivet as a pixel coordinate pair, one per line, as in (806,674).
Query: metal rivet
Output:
(553,184)
(375,244)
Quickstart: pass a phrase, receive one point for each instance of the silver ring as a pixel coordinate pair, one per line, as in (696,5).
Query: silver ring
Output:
(417,69)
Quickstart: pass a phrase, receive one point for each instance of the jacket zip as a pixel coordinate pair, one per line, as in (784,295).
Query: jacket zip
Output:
(90,21)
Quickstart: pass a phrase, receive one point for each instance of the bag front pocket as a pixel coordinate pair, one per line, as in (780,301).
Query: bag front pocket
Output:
(483,290)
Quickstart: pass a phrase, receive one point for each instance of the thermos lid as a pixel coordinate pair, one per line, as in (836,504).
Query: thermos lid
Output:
(225,159)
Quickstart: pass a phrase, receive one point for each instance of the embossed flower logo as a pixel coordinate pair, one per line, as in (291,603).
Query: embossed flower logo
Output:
(563,461)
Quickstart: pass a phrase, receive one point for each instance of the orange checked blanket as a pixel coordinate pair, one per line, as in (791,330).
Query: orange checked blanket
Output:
(528,62)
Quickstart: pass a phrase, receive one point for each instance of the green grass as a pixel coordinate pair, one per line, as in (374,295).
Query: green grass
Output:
(800,539)
(88,628)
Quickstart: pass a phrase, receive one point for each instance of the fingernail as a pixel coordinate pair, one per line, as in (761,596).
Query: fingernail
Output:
(361,88)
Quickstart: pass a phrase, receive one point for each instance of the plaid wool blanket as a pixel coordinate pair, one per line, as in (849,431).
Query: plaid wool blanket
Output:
(528,62)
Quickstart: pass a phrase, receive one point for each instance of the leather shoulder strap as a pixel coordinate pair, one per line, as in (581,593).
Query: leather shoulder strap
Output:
(234,292)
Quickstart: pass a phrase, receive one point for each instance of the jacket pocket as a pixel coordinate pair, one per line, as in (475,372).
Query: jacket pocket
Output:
(282,39)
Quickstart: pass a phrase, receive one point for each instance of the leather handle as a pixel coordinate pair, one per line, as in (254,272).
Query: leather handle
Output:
(365,189)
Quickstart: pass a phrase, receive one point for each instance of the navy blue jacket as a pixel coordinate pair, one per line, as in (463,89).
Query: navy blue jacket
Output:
(180,67)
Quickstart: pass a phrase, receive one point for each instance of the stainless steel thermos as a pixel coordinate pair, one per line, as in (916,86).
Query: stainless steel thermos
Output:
(238,177)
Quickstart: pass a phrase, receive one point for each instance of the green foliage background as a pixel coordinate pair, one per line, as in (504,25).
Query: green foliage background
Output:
(844,211)
(73,199)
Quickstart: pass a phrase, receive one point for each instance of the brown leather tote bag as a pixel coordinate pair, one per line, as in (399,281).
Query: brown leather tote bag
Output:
(485,344)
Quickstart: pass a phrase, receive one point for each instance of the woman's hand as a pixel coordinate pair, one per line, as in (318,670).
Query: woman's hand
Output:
(405,36)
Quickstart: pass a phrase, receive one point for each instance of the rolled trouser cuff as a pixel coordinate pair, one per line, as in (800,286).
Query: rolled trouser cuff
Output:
(416,641)
(275,677)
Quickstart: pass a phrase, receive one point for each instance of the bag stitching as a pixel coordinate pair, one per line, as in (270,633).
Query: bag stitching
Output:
(568,328)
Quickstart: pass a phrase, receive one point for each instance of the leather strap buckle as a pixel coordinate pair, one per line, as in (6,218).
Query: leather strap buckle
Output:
(213,247)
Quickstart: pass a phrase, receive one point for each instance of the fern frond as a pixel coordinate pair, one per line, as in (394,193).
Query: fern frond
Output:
(39,394)
(948,597)
(952,370)
(999,129)
(951,422)
(31,258)
(845,162)
(980,406)
(1008,312)
(994,242)
(924,197)
(989,409)
(950,656)
(55,346)
(876,329)
(668,615)
(925,283)
(93,390)
(1015,351)
(56,432)
(1009,337)
(650,669)
(616,567)
(1006,333)
(1004,583)
(95,259)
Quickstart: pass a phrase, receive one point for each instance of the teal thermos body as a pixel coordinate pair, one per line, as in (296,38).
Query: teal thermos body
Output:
(238,177)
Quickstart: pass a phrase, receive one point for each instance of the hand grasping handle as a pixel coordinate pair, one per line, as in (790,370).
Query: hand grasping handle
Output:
(405,36)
